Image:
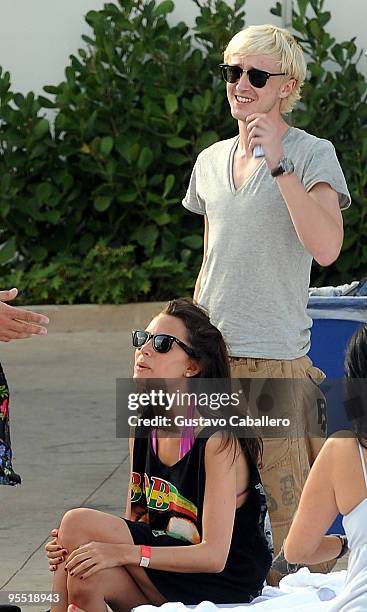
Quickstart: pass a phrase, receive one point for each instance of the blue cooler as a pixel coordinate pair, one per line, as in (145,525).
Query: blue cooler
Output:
(335,319)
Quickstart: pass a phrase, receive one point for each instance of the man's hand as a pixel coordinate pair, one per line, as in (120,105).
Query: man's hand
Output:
(263,131)
(17,323)
(93,557)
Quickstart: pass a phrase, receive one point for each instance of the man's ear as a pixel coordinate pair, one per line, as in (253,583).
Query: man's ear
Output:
(287,88)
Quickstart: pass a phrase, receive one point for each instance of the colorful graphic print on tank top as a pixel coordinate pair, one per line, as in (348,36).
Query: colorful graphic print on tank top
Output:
(160,495)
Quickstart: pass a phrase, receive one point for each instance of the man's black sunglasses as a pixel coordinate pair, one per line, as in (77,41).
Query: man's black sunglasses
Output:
(258,78)
(161,343)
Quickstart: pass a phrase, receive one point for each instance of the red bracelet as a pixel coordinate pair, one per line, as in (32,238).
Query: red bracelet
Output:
(145,552)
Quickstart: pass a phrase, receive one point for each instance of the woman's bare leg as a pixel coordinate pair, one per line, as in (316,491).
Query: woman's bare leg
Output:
(59,587)
(114,586)
(83,525)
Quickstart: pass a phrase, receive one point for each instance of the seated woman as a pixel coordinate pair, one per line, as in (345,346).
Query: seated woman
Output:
(208,542)
(338,483)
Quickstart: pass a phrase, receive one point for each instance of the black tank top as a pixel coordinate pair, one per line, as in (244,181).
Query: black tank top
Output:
(170,499)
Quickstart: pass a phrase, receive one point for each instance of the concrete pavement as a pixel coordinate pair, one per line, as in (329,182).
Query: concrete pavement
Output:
(62,416)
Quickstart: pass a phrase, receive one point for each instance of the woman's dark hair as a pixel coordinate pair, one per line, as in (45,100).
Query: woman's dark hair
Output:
(203,337)
(356,367)
(211,353)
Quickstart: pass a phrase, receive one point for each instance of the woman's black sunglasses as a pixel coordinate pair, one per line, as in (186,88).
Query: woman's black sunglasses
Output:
(161,343)
(258,78)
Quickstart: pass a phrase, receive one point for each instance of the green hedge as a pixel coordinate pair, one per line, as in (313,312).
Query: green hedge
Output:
(90,210)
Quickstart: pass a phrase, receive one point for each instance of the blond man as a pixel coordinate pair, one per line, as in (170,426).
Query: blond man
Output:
(266,218)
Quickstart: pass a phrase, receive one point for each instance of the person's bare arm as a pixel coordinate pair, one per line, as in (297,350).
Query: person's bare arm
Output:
(316,217)
(315,214)
(205,251)
(17,323)
(306,541)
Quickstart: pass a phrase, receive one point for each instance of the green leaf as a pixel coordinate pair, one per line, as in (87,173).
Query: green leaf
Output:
(168,184)
(206,139)
(7,250)
(165,7)
(364,147)
(350,239)
(171,103)
(193,242)
(4,209)
(86,242)
(70,75)
(178,159)
(46,103)
(161,218)
(102,203)
(337,52)
(123,148)
(345,261)
(199,104)
(155,180)
(43,193)
(106,145)
(302,5)
(129,195)
(276,10)
(147,236)
(145,158)
(316,70)
(315,27)
(38,253)
(19,100)
(51,89)
(53,216)
(177,142)
(324,18)
(134,152)
(14,138)
(41,128)
(5,182)
(317,5)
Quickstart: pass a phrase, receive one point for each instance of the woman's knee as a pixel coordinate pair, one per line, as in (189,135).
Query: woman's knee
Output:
(74,525)
(81,525)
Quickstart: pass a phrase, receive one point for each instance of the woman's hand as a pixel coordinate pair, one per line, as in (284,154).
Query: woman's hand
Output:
(55,552)
(95,556)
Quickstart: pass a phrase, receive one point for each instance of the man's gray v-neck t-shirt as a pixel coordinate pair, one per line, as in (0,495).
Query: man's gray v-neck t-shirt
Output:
(255,280)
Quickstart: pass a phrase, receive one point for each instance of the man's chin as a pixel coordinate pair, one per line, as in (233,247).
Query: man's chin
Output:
(240,115)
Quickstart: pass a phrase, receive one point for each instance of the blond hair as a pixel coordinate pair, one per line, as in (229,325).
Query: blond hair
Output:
(270,40)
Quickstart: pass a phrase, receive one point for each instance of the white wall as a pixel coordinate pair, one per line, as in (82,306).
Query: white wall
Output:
(37,36)
(349,19)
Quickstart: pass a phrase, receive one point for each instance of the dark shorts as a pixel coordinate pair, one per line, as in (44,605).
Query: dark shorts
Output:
(189,588)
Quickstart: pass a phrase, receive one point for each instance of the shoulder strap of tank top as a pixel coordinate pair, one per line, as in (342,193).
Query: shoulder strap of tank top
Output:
(363,462)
